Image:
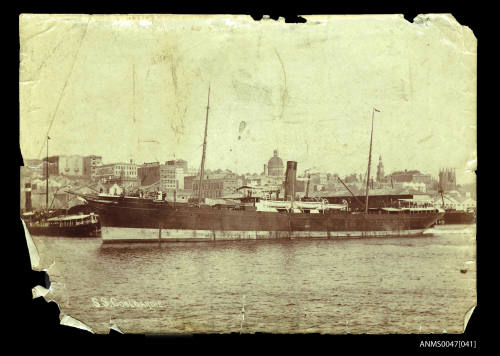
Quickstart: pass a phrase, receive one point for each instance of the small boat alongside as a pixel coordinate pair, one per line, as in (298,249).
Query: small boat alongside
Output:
(453,217)
(82,225)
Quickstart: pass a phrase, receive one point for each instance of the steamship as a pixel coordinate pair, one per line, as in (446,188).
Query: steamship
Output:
(82,225)
(136,219)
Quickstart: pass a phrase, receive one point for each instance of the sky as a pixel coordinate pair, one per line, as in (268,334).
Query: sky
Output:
(136,87)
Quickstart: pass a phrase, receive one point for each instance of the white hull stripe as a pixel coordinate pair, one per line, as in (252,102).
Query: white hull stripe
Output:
(123,234)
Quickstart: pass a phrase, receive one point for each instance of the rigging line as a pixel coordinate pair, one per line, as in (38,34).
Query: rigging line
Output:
(64,87)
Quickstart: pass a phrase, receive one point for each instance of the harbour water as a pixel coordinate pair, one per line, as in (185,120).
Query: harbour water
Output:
(379,285)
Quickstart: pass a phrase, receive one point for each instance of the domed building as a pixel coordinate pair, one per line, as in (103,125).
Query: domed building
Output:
(275,166)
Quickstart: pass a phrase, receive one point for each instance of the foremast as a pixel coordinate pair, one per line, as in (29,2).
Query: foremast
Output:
(47,176)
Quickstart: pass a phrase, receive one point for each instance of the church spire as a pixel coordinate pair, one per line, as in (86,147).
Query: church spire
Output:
(380,170)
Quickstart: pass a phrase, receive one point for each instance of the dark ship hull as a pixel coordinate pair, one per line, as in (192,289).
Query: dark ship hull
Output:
(140,220)
(87,230)
(81,225)
(458,217)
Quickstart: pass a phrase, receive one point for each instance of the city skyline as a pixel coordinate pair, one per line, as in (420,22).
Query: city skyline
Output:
(373,175)
(313,104)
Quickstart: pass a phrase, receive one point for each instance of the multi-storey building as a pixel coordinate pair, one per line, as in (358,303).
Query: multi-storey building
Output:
(422,178)
(178,163)
(122,173)
(403,176)
(319,178)
(171,177)
(447,179)
(148,173)
(70,165)
(189,180)
(211,188)
(53,163)
(216,185)
(89,165)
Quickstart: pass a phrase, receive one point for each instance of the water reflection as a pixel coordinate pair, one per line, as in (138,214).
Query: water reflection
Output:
(377,285)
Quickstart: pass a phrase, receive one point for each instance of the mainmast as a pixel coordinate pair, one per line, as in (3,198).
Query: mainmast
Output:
(369,163)
(202,169)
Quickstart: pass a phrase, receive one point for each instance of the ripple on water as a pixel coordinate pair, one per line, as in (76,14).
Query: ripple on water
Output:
(357,286)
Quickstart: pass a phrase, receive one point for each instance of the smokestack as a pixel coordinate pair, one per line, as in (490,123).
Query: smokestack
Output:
(265,169)
(291,171)
(27,188)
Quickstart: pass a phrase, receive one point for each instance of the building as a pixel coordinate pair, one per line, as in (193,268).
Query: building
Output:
(319,178)
(172,174)
(171,177)
(412,176)
(148,173)
(403,176)
(422,178)
(211,188)
(254,179)
(121,173)
(189,180)
(70,165)
(447,180)
(36,167)
(33,163)
(53,166)
(216,185)
(231,180)
(352,178)
(380,170)
(89,165)
(275,166)
(178,163)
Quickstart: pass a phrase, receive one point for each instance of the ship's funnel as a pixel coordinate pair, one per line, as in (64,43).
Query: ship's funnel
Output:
(27,189)
(291,172)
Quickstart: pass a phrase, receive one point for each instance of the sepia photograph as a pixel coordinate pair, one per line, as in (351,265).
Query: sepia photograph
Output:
(214,174)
